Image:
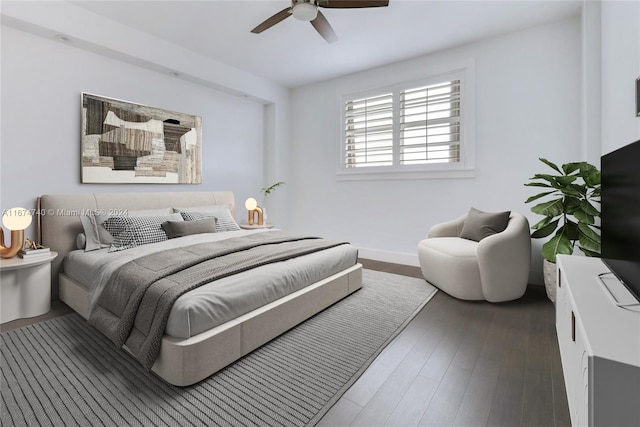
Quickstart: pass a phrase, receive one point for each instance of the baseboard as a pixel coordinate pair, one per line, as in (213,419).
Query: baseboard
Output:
(391,257)
(535,274)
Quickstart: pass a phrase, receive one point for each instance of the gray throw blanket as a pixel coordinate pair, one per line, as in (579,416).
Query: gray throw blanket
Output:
(135,305)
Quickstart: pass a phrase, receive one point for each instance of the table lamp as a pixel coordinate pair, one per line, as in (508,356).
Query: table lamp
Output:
(252,207)
(16,220)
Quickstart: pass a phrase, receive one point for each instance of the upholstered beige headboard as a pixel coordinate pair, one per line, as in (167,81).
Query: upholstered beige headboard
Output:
(60,215)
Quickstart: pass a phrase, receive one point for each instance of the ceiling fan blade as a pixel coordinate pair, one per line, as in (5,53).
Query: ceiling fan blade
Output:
(270,22)
(347,4)
(322,26)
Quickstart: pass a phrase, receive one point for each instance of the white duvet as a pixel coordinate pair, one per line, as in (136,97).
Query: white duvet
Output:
(213,304)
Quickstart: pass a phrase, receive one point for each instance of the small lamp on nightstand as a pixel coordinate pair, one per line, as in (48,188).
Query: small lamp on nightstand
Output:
(16,220)
(252,207)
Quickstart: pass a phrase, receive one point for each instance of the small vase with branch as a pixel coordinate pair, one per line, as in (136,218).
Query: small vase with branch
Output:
(265,192)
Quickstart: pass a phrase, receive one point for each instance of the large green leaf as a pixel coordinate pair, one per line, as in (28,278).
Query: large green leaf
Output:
(571,167)
(584,217)
(587,252)
(559,244)
(571,204)
(587,169)
(550,164)
(577,190)
(551,208)
(570,229)
(565,180)
(593,179)
(583,168)
(537,196)
(551,179)
(542,223)
(546,230)
(588,230)
(588,208)
(589,238)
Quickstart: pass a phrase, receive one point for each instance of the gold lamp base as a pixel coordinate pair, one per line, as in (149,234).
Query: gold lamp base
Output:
(17,241)
(252,215)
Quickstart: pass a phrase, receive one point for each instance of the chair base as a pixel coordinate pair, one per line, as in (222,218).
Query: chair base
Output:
(455,272)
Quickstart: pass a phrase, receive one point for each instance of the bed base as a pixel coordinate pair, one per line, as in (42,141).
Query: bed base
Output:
(183,362)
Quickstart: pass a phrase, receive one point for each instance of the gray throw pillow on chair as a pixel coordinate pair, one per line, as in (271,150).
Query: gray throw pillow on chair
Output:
(479,224)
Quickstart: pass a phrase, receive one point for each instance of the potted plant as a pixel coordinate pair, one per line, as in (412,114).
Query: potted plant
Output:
(570,211)
(266,191)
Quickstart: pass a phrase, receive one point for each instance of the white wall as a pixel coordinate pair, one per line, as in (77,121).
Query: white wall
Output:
(528,94)
(250,134)
(40,152)
(591,82)
(620,44)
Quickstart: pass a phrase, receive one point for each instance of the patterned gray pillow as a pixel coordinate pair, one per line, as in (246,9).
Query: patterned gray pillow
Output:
(97,237)
(131,231)
(479,224)
(224,220)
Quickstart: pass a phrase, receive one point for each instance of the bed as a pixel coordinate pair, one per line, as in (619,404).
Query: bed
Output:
(190,350)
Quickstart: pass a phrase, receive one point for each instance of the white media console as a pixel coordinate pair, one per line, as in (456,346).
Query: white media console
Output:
(599,344)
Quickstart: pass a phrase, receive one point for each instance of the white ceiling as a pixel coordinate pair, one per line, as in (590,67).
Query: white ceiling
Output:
(292,54)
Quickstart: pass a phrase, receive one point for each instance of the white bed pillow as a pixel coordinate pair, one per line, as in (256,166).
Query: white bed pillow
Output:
(132,231)
(96,236)
(222,214)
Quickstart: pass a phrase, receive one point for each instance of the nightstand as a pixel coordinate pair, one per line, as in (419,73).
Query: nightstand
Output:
(246,226)
(25,287)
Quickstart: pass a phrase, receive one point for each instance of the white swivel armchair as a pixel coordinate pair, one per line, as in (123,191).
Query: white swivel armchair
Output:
(495,269)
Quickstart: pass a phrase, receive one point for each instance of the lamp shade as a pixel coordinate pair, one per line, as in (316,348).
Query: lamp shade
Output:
(305,11)
(16,219)
(251,204)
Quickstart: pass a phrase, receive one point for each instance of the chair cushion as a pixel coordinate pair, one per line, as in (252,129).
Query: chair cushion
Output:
(479,224)
(452,246)
(450,264)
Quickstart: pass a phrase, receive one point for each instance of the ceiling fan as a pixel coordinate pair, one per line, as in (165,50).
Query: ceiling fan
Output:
(307,10)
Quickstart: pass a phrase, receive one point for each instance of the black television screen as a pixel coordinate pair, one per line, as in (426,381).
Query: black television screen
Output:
(620,215)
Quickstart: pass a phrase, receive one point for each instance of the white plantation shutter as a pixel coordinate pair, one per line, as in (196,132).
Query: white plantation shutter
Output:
(369,131)
(414,129)
(430,124)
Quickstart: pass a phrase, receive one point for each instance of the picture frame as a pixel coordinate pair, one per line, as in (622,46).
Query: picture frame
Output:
(127,143)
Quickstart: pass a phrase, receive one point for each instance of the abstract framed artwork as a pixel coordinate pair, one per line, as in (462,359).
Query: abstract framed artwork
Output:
(129,143)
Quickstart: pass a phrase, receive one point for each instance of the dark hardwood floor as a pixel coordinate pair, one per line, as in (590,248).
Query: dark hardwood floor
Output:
(457,363)
(461,363)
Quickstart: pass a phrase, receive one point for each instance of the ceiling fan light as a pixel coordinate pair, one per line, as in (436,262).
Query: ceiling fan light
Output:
(305,11)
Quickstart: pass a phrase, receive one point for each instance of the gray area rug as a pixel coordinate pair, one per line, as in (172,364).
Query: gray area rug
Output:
(62,372)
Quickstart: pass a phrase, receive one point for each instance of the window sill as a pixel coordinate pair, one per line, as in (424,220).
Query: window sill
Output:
(369,175)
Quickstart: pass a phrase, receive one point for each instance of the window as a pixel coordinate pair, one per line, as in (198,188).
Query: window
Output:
(430,124)
(369,131)
(410,127)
